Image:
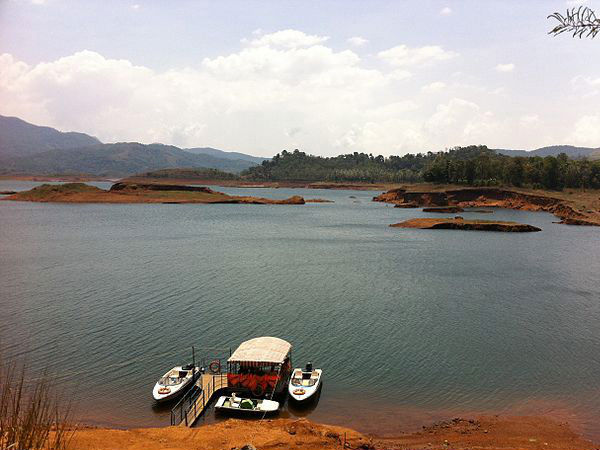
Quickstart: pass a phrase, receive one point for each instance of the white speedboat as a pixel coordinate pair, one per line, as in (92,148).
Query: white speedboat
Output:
(304,384)
(175,382)
(245,405)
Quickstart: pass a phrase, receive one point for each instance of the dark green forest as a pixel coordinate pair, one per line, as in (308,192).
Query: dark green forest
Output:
(472,165)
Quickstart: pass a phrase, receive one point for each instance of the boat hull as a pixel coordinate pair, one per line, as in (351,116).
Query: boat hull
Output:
(174,391)
(305,394)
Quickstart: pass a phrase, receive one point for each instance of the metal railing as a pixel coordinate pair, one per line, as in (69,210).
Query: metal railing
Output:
(179,411)
(194,402)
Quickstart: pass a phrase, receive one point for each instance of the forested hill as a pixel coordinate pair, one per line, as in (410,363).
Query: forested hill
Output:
(28,149)
(553,150)
(120,159)
(298,166)
(473,165)
(19,138)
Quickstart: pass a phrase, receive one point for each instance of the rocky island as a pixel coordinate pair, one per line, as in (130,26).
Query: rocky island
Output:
(458,223)
(140,193)
(577,208)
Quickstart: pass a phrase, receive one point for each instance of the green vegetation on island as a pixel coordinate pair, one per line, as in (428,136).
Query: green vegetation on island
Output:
(200,173)
(472,166)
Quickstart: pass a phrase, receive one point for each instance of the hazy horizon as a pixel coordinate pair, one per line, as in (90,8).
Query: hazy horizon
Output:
(259,77)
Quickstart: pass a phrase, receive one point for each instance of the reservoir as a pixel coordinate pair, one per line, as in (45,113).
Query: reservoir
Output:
(408,325)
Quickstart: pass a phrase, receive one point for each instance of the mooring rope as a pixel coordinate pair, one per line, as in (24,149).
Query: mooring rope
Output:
(253,433)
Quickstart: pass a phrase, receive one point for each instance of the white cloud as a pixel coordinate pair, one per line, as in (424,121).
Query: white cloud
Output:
(136,6)
(399,75)
(508,67)
(530,120)
(436,86)
(461,122)
(586,131)
(403,56)
(280,90)
(586,86)
(262,92)
(357,41)
(446,11)
(38,2)
(287,39)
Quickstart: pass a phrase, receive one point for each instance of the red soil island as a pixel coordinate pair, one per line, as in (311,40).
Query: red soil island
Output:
(581,208)
(139,193)
(458,223)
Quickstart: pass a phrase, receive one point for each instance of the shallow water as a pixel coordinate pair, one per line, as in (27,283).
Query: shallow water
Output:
(408,325)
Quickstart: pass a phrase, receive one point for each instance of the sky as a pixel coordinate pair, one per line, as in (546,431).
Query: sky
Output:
(327,77)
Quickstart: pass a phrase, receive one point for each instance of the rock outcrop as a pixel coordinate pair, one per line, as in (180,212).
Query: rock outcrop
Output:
(490,197)
(458,223)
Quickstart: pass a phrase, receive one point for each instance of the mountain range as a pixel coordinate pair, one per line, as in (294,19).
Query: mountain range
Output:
(554,150)
(19,138)
(226,155)
(30,149)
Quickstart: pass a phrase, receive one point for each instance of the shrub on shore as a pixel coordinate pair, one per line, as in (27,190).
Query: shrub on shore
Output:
(32,413)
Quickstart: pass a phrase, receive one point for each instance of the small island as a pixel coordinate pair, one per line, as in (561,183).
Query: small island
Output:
(458,223)
(573,208)
(140,193)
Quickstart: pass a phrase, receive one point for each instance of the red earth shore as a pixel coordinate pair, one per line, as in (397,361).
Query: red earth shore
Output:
(486,432)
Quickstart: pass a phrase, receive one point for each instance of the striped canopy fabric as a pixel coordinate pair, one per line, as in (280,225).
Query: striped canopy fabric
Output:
(262,350)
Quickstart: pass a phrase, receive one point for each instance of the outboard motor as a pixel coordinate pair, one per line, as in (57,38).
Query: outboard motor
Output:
(309,367)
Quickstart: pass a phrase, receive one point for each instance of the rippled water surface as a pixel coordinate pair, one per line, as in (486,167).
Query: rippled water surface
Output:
(408,325)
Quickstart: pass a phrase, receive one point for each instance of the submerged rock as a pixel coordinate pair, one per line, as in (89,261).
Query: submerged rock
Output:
(444,209)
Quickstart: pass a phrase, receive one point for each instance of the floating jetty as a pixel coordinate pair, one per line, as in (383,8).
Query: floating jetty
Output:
(193,404)
(260,367)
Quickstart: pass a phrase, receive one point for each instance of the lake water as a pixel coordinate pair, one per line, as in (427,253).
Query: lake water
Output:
(409,325)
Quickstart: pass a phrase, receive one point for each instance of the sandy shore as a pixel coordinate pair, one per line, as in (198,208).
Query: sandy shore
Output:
(487,432)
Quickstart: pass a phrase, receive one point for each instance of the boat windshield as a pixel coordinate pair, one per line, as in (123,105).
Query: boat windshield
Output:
(170,381)
(304,380)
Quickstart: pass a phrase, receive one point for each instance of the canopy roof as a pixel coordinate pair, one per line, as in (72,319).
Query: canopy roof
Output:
(262,349)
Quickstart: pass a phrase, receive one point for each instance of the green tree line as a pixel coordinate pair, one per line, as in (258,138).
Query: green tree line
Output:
(472,165)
